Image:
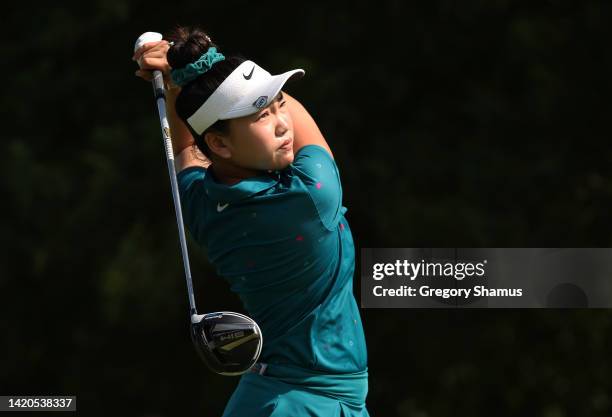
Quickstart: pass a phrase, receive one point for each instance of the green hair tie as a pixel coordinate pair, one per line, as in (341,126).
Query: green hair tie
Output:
(191,71)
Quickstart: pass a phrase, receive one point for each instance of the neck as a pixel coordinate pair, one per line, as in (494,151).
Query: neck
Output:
(229,174)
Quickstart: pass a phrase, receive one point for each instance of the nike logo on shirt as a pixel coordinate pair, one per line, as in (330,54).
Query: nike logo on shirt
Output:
(220,208)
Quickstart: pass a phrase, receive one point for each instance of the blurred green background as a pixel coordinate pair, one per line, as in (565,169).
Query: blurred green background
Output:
(454,124)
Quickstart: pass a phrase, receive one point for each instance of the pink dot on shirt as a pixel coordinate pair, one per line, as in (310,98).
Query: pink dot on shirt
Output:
(319,185)
(299,238)
(341,226)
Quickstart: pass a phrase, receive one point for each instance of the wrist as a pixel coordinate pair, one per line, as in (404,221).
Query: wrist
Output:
(171,87)
(172,93)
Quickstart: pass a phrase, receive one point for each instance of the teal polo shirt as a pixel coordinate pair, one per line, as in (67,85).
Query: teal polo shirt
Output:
(283,244)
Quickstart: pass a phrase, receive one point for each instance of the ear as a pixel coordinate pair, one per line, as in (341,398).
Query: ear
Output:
(217,143)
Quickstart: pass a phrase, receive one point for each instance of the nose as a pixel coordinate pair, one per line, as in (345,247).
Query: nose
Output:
(282,124)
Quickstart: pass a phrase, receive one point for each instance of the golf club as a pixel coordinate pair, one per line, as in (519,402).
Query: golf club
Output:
(229,343)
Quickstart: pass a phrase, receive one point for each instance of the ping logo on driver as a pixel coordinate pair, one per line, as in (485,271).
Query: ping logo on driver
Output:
(261,102)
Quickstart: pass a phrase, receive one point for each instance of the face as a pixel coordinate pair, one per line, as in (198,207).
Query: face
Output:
(261,141)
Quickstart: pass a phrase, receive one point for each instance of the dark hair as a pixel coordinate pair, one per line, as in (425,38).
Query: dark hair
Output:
(189,44)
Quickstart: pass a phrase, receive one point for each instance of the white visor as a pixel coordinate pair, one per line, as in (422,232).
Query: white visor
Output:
(245,91)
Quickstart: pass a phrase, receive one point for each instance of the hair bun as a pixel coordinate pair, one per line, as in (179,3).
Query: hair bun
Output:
(189,45)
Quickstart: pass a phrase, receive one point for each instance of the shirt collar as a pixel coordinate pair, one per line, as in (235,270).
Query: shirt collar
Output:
(224,193)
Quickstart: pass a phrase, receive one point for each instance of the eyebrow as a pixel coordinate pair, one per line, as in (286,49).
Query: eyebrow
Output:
(280,96)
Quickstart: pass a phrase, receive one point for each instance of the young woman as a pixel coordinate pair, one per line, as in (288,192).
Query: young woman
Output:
(261,191)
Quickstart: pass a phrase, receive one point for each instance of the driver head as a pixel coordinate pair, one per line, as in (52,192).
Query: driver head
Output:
(228,343)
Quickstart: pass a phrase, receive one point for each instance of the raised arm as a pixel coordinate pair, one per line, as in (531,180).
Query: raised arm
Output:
(152,56)
(186,154)
(305,130)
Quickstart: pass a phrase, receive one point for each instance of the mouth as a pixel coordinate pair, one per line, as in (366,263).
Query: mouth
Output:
(287,144)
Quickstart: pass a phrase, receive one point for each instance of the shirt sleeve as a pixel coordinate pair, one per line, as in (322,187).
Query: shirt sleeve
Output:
(319,173)
(193,200)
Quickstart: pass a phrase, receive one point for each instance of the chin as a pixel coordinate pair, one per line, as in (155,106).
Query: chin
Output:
(287,160)
(281,162)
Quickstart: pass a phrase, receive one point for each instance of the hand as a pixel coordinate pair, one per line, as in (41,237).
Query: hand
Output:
(152,56)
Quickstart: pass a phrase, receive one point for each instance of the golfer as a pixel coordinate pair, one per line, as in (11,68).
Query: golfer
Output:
(261,192)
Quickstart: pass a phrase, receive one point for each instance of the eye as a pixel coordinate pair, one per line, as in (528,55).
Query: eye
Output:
(283,103)
(261,116)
